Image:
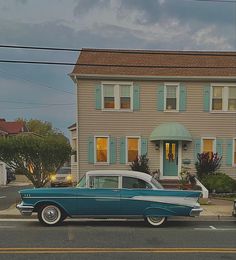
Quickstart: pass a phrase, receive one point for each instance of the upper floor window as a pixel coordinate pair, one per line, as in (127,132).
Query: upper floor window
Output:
(171,97)
(101,145)
(133,148)
(117,96)
(223,98)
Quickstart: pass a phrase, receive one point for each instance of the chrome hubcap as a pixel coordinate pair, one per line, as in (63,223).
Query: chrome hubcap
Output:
(155,219)
(50,214)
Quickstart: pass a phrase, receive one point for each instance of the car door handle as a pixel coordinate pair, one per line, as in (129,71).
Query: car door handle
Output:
(116,190)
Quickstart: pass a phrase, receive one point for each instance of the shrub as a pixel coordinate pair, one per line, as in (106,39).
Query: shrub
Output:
(207,163)
(219,183)
(140,164)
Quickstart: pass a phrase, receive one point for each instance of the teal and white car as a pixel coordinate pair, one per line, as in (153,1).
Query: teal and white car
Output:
(110,194)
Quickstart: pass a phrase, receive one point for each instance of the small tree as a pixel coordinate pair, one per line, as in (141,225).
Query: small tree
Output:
(34,156)
(140,164)
(207,163)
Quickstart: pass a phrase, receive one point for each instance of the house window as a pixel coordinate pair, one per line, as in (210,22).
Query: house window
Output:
(133,148)
(208,145)
(171,100)
(232,99)
(109,96)
(217,98)
(125,97)
(117,96)
(101,149)
(223,98)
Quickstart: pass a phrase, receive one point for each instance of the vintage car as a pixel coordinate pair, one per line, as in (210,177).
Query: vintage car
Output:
(110,194)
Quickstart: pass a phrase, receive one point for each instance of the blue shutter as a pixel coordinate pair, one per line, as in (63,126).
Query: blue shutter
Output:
(160,98)
(122,150)
(112,150)
(136,97)
(98,97)
(229,153)
(91,149)
(144,146)
(197,148)
(219,147)
(182,97)
(206,98)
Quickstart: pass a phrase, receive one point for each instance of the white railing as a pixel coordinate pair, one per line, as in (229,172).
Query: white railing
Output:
(205,192)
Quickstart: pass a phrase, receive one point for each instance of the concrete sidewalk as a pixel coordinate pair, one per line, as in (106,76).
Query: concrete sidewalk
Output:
(216,208)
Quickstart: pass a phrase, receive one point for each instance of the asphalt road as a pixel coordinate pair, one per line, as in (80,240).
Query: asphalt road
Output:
(9,195)
(100,240)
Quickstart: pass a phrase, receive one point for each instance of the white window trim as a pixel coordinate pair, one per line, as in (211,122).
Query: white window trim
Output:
(177,96)
(117,85)
(214,143)
(233,162)
(108,149)
(225,97)
(126,147)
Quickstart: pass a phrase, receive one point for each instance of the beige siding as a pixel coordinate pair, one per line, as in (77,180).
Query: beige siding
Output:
(142,123)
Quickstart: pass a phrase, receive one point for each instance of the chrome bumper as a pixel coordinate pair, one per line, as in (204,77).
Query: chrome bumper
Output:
(195,212)
(25,210)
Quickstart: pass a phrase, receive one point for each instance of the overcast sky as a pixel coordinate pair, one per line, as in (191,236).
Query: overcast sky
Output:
(34,91)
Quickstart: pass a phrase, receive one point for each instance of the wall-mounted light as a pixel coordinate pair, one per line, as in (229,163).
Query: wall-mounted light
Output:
(157,147)
(185,147)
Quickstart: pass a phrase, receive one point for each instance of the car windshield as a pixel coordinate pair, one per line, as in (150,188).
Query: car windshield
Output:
(82,182)
(156,184)
(63,171)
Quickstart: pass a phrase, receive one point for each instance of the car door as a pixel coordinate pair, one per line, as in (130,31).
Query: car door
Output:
(133,193)
(102,198)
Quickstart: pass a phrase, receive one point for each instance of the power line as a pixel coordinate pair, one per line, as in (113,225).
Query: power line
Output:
(114,65)
(164,52)
(31,82)
(215,1)
(32,103)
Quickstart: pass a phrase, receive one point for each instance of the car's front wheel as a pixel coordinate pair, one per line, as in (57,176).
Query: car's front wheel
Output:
(156,221)
(50,215)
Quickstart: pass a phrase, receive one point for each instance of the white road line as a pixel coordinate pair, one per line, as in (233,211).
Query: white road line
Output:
(7,226)
(212,227)
(2,197)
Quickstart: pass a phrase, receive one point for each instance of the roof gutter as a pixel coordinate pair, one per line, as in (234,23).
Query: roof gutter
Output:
(152,78)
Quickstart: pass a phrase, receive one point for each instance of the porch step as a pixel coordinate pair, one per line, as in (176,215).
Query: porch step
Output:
(170,184)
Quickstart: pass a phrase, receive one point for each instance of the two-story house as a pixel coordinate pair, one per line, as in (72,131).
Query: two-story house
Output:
(171,105)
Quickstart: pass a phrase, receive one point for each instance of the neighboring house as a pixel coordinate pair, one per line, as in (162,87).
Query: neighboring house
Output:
(73,141)
(8,129)
(171,105)
(12,128)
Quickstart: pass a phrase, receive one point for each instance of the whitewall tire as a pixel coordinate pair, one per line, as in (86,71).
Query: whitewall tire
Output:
(50,215)
(155,221)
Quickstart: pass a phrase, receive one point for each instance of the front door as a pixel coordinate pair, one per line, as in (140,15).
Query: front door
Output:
(170,158)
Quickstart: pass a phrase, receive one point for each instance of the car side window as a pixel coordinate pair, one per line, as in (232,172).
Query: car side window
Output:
(104,182)
(134,183)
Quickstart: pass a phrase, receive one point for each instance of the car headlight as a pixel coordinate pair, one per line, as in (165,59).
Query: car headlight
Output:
(53,178)
(69,178)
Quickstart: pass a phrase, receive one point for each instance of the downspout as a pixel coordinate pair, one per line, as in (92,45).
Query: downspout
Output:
(77,130)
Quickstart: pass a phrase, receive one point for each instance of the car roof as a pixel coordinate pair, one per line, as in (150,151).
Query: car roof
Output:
(126,173)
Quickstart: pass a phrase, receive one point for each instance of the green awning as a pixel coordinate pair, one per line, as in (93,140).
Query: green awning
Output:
(170,131)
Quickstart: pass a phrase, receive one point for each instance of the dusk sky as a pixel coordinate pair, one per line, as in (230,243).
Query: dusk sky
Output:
(46,92)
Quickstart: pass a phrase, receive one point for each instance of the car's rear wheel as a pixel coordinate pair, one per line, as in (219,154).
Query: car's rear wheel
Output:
(50,215)
(156,221)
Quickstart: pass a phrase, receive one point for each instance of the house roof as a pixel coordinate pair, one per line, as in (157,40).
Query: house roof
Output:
(12,127)
(72,126)
(155,63)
